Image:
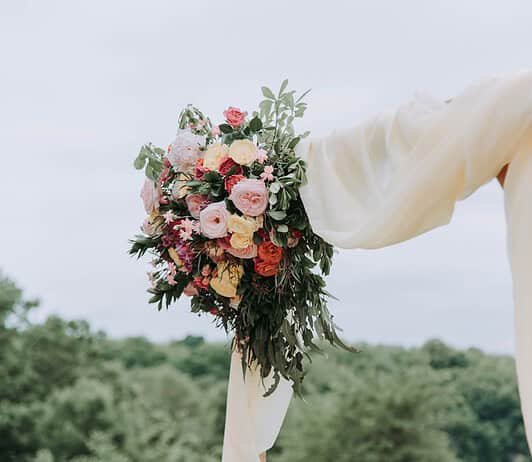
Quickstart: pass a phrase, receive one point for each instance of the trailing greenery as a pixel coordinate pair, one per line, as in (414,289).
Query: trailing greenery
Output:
(279,316)
(69,394)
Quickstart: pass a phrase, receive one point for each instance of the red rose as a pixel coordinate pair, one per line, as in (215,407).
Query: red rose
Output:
(264,268)
(270,253)
(232,180)
(214,311)
(227,165)
(234,116)
(199,170)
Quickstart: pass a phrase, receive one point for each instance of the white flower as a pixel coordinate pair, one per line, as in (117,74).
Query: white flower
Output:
(184,151)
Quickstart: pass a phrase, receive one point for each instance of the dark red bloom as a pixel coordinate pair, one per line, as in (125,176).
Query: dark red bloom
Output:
(264,268)
(199,170)
(227,165)
(230,181)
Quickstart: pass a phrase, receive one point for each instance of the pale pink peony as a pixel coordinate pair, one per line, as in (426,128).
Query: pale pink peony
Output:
(213,220)
(195,202)
(250,197)
(150,196)
(184,151)
(248,252)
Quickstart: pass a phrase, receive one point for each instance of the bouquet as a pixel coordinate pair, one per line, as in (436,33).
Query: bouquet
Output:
(226,227)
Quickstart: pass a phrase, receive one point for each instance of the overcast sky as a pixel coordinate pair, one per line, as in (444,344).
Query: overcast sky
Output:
(84,84)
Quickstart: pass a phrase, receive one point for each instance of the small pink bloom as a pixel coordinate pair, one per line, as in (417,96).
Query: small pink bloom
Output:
(261,155)
(147,227)
(250,197)
(267,175)
(248,252)
(213,220)
(195,202)
(216,131)
(150,196)
(234,116)
(169,217)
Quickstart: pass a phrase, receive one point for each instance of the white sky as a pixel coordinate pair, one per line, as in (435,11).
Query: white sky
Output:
(84,84)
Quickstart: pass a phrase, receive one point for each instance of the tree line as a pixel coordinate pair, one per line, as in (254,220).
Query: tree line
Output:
(70,394)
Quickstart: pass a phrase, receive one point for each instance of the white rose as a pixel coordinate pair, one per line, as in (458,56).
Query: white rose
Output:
(184,151)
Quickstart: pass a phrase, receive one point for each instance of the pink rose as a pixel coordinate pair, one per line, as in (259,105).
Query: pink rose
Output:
(248,252)
(250,197)
(234,116)
(213,220)
(195,202)
(149,196)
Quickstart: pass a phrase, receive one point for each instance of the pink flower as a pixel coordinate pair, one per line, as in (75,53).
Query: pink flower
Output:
(195,202)
(150,196)
(250,197)
(248,252)
(213,220)
(234,116)
(261,155)
(169,217)
(187,228)
(216,131)
(267,175)
(148,228)
(184,151)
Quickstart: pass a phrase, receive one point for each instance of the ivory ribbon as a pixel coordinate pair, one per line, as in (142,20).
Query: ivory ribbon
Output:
(399,175)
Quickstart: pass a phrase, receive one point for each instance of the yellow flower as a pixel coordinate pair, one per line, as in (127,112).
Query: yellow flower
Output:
(242,225)
(242,152)
(214,155)
(227,279)
(180,188)
(174,256)
(241,241)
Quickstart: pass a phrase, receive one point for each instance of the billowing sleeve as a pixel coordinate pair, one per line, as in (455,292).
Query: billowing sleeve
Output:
(398,175)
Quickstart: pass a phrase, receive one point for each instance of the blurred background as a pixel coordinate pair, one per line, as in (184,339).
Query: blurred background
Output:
(84,84)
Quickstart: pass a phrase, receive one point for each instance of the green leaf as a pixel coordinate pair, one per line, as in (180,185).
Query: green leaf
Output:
(275,187)
(277,214)
(255,125)
(283,86)
(267,93)
(294,142)
(225,128)
(282,228)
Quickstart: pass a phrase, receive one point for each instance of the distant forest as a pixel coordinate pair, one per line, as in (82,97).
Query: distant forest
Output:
(68,393)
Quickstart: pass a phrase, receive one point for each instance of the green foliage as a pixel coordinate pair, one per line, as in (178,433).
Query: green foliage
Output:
(69,394)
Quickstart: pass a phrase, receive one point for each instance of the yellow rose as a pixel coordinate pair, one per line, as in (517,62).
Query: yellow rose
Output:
(214,155)
(227,279)
(242,152)
(242,225)
(174,256)
(240,241)
(180,188)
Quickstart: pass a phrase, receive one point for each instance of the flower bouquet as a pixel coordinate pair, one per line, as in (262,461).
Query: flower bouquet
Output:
(226,227)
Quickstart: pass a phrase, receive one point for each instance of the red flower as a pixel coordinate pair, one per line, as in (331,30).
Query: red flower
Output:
(234,116)
(199,170)
(264,268)
(270,253)
(227,165)
(232,180)
(214,311)
(296,233)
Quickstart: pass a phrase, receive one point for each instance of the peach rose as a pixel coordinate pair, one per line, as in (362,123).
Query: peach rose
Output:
(248,252)
(242,152)
(241,241)
(213,220)
(215,154)
(227,278)
(234,116)
(250,197)
(264,268)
